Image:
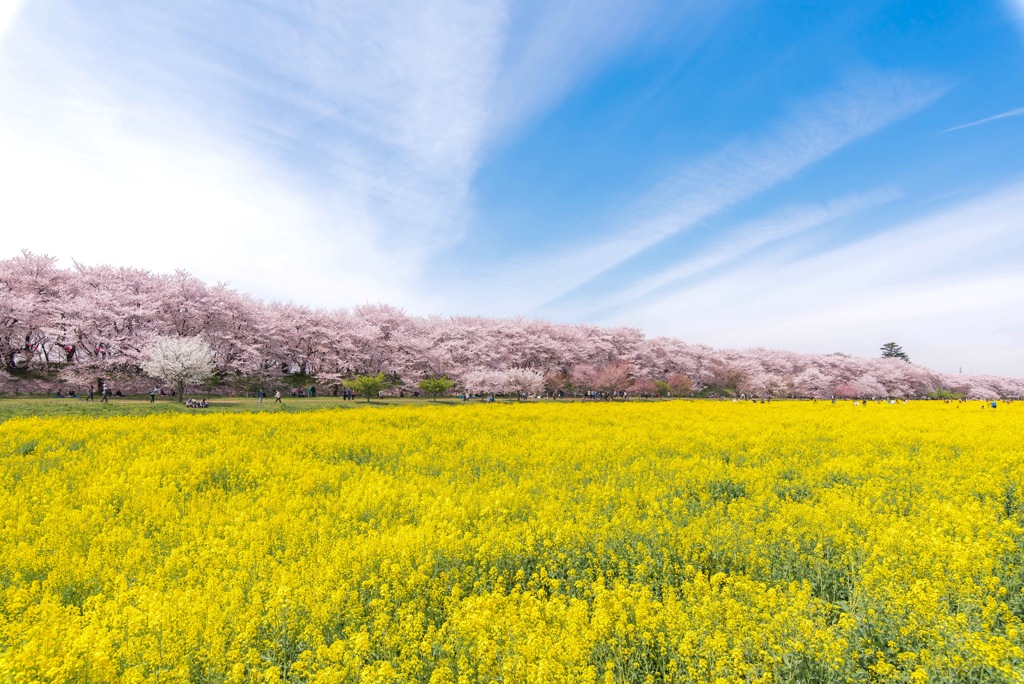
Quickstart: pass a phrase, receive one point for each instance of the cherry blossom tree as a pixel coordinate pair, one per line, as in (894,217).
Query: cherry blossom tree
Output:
(812,383)
(384,339)
(679,384)
(645,386)
(583,378)
(31,293)
(93,322)
(845,390)
(983,392)
(556,381)
(614,377)
(523,381)
(181,361)
(724,377)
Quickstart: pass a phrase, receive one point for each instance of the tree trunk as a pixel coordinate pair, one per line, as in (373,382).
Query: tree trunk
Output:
(181,391)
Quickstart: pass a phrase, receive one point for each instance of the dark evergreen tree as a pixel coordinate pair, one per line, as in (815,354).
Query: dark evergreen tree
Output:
(891,350)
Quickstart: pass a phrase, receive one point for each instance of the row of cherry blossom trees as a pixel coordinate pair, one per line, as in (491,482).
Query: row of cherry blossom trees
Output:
(72,326)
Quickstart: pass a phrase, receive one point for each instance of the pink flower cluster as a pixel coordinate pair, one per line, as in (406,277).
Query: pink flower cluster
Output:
(95,321)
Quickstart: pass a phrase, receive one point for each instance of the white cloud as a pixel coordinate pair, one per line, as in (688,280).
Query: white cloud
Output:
(8,13)
(1004,115)
(949,283)
(327,146)
(324,151)
(741,241)
(553,47)
(344,136)
(701,189)
(149,204)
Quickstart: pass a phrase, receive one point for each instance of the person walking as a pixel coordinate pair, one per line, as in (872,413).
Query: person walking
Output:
(260,395)
(152,395)
(104,395)
(277,397)
(89,396)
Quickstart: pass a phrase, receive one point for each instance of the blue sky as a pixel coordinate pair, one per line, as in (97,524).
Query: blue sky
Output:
(812,176)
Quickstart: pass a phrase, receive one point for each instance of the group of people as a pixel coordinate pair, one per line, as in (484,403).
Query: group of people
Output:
(105,394)
(345,393)
(597,396)
(277,396)
(197,403)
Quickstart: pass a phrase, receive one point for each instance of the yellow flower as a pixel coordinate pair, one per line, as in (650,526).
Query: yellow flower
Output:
(675,541)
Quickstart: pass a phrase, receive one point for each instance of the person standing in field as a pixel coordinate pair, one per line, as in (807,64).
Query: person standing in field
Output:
(277,397)
(89,396)
(152,395)
(260,395)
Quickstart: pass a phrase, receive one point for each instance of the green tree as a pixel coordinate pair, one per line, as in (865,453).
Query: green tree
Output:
(891,350)
(435,385)
(662,388)
(368,385)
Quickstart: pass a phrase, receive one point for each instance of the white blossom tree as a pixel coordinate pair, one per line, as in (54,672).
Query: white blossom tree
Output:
(180,361)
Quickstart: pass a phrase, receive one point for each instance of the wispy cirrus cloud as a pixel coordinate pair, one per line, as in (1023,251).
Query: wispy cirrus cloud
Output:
(381,104)
(366,119)
(554,47)
(987,119)
(934,283)
(812,131)
(732,245)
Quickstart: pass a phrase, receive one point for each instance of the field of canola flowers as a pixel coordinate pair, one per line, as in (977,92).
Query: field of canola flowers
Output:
(676,541)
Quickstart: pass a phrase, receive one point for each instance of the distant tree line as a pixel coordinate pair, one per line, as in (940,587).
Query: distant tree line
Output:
(72,326)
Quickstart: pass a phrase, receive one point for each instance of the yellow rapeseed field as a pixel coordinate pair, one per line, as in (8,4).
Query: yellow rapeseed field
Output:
(677,541)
